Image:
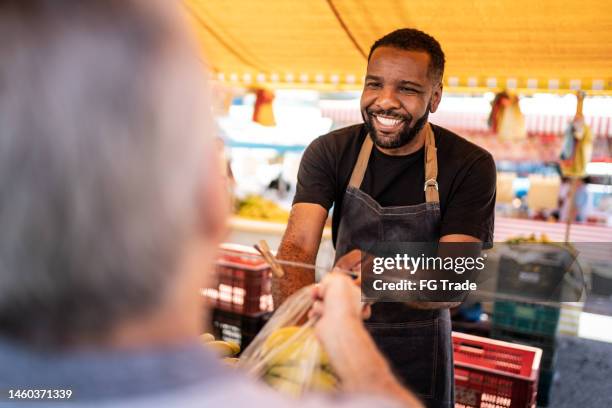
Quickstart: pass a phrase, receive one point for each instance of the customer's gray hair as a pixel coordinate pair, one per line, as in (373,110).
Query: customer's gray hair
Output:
(103,140)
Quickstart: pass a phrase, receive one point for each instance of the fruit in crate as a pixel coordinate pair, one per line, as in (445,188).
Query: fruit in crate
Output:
(225,349)
(297,362)
(531,239)
(231,361)
(257,207)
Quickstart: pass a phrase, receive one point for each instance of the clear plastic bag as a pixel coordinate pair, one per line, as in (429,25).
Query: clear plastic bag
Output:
(286,353)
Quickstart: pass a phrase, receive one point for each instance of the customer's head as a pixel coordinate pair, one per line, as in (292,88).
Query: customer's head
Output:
(107,161)
(403,85)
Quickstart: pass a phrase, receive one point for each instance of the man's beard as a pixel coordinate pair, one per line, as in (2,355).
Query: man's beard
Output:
(405,136)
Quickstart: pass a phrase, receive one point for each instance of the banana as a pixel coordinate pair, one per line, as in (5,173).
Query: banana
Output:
(231,360)
(288,372)
(235,347)
(261,208)
(291,351)
(320,380)
(222,348)
(293,348)
(206,338)
(279,336)
(284,386)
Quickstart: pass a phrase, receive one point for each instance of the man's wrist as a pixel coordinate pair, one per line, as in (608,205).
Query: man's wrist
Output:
(293,281)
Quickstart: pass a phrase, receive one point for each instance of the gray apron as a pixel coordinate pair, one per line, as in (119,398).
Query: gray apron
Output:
(417,343)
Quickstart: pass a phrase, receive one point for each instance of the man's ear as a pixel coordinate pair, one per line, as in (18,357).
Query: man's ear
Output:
(436,97)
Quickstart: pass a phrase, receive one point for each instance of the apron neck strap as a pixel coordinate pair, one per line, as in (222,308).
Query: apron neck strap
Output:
(431,165)
(362,163)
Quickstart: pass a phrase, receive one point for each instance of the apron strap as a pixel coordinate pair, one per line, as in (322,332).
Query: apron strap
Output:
(362,163)
(431,165)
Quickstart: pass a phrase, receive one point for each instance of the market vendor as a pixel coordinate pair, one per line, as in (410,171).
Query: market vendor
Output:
(395,177)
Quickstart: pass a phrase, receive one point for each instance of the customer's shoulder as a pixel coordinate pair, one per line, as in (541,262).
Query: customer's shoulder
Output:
(242,391)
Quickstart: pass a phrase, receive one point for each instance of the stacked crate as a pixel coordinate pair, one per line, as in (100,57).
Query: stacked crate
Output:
(236,328)
(494,374)
(532,271)
(240,295)
(533,325)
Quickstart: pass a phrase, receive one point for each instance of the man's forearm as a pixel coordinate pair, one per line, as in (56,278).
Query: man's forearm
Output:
(295,278)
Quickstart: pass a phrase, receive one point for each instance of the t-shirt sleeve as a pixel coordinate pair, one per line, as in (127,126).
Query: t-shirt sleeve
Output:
(316,181)
(471,208)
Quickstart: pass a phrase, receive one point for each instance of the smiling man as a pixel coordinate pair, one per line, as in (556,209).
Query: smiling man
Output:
(398,178)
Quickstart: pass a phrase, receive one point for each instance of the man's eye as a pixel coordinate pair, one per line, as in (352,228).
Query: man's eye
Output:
(373,85)
(408,90)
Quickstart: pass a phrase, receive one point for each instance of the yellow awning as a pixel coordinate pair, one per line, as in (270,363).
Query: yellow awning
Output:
(534,45)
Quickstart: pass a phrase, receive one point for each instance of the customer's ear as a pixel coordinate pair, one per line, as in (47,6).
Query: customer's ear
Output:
(214,198)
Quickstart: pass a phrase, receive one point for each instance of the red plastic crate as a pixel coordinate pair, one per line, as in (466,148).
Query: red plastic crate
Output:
(235,327)
(494,374)
(243,282)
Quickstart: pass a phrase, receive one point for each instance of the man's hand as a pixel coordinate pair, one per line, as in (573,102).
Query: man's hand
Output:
(449,238)
(350,261)
(357,261)
(354,261)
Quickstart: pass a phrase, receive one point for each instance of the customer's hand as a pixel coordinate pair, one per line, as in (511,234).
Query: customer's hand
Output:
(338,299)
(340,313)
(352,352)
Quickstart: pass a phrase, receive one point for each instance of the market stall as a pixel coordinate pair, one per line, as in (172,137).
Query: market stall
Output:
(514,81)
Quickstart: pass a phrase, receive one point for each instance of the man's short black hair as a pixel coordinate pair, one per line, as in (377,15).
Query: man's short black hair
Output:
(411,39)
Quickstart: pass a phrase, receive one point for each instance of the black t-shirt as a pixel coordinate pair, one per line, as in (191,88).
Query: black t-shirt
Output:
(466,179)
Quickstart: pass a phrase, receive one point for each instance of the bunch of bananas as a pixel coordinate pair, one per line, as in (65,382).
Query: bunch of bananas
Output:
(531,239)
(224,349)
(291,369)
(257,207)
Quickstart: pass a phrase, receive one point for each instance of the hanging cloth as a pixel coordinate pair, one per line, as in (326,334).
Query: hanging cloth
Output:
(574,165)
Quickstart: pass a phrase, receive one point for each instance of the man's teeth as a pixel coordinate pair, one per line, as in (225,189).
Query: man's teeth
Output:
(388,121)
